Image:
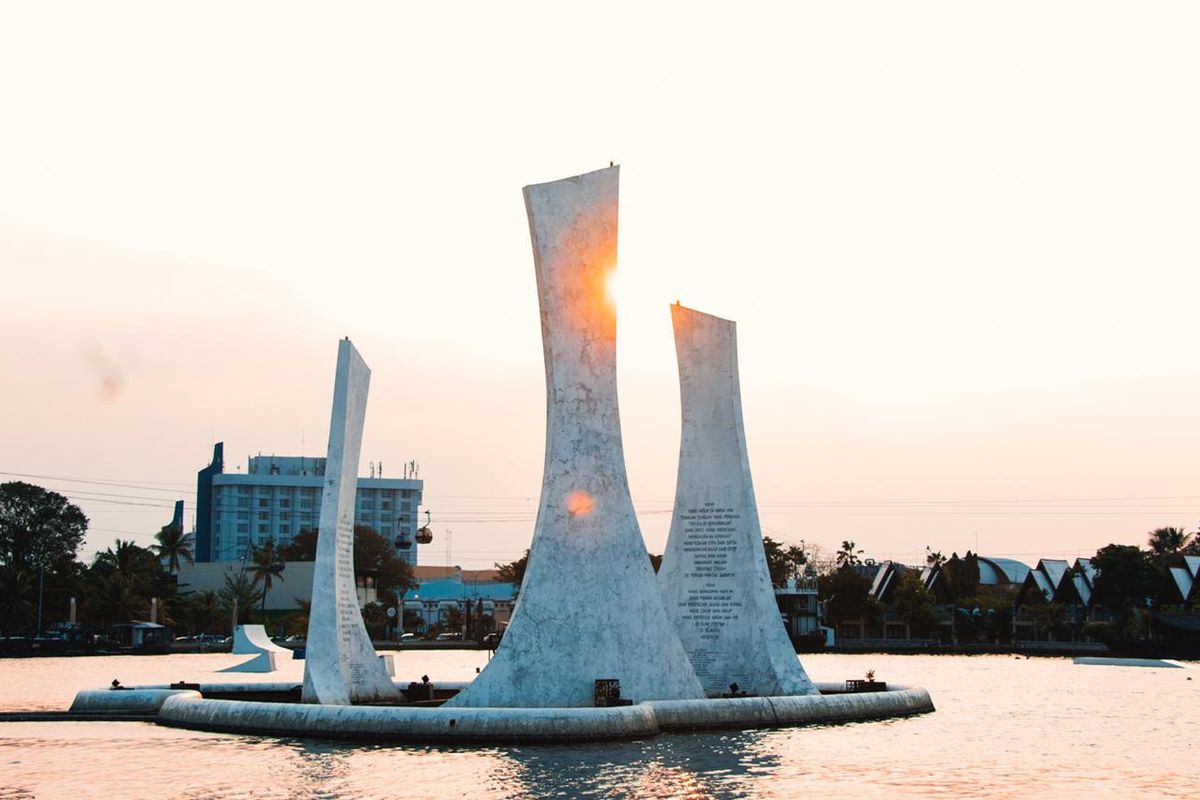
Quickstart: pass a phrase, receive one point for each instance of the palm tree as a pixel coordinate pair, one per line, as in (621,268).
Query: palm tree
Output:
(268,564)
(173,546)
(1168,541)
(238,593)
(847,556)
(203,610)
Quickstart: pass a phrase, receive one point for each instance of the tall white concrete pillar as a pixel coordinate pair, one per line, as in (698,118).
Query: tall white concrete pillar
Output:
(340,665)
(589,608)
(714,576)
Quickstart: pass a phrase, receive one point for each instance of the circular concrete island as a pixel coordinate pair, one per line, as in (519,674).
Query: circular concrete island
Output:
(274,709)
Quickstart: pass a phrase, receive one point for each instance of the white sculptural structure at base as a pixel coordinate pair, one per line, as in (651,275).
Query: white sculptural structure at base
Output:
(589,608)
(714,575)
(340,665)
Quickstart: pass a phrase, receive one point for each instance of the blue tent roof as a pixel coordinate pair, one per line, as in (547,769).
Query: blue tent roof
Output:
(450,589)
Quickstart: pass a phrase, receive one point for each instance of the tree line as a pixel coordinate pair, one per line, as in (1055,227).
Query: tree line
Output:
(40,535)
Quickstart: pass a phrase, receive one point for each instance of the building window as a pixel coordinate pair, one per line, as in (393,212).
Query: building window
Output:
(243,515)
(243,502)
(264,515)
(264,528)
(243,527)
(284,516)
(284,502)
(406,506)
(305,502)
(243,490)
(264,502)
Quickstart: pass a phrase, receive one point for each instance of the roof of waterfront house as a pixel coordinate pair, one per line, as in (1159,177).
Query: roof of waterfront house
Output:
(994,571)
(1055,569)
(1043,583)
(1183,581)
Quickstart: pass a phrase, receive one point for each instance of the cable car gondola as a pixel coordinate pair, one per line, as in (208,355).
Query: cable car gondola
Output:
(424,534)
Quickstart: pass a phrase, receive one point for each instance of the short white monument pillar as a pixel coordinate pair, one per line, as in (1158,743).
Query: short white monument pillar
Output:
(714,576)
(589,608)
(340,665)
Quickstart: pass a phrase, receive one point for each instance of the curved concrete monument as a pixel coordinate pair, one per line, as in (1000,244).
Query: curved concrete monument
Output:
(340,665)
(589,608)
(714,576)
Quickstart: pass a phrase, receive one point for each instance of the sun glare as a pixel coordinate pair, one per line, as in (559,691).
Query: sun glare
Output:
(612,287)
(580,503)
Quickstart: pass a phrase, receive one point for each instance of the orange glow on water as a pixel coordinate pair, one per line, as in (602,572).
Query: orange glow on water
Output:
(580,503)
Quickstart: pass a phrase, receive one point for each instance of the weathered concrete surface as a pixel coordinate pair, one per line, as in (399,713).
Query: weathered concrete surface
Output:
(714,576)
(252,639)
(771,712)
(392,723)
(589,607)
(187,708)
(124,701)
(340,665)
(262,662)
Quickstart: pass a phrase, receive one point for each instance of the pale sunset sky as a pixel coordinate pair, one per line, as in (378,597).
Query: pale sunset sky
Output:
(960,241)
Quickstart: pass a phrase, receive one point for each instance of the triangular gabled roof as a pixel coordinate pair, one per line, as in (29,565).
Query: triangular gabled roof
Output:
(1183,581)
(1082,588)
(1193,566)
(1055,569)
(994,571)
(1043,583)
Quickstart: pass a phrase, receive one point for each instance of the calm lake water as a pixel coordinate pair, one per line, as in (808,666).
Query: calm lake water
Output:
(1004,727)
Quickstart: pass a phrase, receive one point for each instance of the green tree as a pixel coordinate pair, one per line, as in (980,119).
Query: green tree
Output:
(783,562)
(848,554)
(962,576)
(266,565)
(120,582)
(846,596)
(375,620)
(239,592)
(514,571)
(37,527)
(915,604)
(376,556)
(16,607)
(112,598)
(303,546)
(412,620)
(1124,580)
(200,612)
(1168,541)
(173,547)
(454,619)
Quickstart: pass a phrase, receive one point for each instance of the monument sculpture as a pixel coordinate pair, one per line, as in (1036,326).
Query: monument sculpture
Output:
(714,576)
(340,665)
(589,609)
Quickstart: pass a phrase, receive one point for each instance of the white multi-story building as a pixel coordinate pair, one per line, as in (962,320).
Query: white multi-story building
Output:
(279,496)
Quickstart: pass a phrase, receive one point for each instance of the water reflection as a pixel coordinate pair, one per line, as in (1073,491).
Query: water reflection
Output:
(1003,727)
(692,766)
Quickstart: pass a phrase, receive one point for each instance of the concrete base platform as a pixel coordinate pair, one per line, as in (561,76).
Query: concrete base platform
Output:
(194,707)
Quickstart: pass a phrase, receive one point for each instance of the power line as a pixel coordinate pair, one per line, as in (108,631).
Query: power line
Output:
(104,482)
